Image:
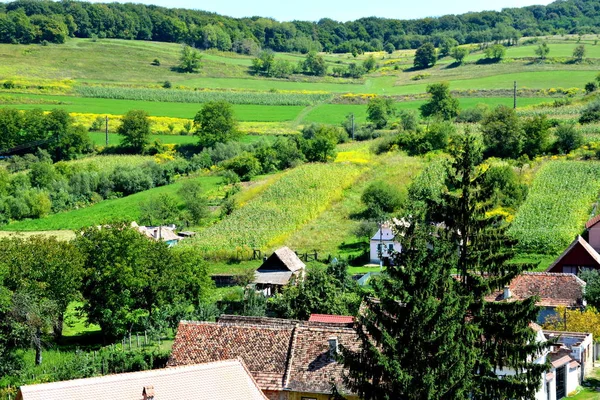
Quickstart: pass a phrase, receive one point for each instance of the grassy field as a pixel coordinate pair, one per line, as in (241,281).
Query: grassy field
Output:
(125,208)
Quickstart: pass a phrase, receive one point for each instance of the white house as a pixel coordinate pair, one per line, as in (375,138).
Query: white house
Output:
(384,243)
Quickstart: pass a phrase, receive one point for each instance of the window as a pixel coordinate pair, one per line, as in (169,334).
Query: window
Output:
(569,270)
(391,247)
(379,247)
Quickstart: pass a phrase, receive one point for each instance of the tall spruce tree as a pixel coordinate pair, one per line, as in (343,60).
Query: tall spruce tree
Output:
(506,340)
(409,332)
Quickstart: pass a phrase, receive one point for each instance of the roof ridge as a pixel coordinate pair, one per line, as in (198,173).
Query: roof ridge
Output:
(290,356)
(125,375)
(240,325)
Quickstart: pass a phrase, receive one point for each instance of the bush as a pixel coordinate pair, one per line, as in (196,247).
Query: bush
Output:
(409,120)
(156,62)
(382,198)
(167,85)
(473,115)
(591,113)
(591,87)
(568,138)
(246,166)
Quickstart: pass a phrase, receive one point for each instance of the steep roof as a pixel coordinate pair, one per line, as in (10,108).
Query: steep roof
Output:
(593,221)
(283,259)
(281,355)
(331,319)
(553,289)
(224,380)
(281,278)
(586,246)
(263,348)
(312,367)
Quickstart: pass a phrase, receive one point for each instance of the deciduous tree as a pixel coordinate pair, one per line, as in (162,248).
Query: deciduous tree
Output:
(135,129)
(441,104)
(215,123)
(425,56)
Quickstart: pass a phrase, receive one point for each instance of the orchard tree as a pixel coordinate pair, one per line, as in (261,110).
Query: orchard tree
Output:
(495,52)
(459,54)
(135,129)
(542,50)
(441,104)
(502,133)
(579,53)
(189,61)
(314,64)
(379,111)
(215,123)
(425,56)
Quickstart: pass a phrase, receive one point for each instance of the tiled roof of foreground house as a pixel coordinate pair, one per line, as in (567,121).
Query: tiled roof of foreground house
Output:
(280,356)
(553,289)
(332,319)
(223,380)
(264,349)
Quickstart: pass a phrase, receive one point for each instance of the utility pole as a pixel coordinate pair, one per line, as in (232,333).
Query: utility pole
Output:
(515,96)
(106,129)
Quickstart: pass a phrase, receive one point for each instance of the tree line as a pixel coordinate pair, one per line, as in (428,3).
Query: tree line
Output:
(31,21)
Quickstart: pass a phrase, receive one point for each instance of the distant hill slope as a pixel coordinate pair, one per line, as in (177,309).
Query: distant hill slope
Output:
(33,21)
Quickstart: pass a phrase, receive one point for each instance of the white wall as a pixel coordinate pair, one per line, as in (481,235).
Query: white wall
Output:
(374,252)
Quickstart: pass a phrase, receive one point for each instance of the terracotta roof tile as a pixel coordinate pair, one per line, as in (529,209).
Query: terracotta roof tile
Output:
(553,289)
(264,349)
(332,319)
(593,221)
(225,380)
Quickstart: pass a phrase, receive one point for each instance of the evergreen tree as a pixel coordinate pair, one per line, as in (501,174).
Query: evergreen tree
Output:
(484,249)
(409,334)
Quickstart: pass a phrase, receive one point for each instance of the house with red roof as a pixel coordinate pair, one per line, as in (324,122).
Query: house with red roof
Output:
(552,289)
(290,360)
(581,255)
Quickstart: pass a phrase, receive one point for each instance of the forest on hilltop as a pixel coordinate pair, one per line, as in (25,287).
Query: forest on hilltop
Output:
(43,21)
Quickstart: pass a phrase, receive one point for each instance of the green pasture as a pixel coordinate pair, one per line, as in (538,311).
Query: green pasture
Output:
(243,112)
(125,208)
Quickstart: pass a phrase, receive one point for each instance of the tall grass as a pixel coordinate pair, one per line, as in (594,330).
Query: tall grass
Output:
(203,96)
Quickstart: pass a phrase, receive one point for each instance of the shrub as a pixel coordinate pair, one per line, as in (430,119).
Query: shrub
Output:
(246,166)
(167,85)
(382,198)
(568,138)
(156,62)
(591,87)
(591,113)
(473,115)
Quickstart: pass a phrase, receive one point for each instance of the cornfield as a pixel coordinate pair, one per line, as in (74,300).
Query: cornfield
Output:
(203,96)
(110,162)
(557,207)
(298,197)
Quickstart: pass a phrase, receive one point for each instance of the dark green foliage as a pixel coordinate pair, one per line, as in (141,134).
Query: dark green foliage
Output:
(409,120)
(435,137)
(263,63)
(320,141)
(129,278)
(568,138)
(382,198)
(483,252)
(591,113)
(446,45)
(579,53)
(314,64)
(495,52)
(215,123)
(389,48)
(246,166)
(425,56)
(441,104)
(542,50)
(459,54)
(409,329)
(196,205)
(370,64)
(592,288)
(536,135)
(379,111)
(160,210)
(319,293)
(135,129)
(501,186)
(473,115)
(591,87)
(502,133)
(189,60)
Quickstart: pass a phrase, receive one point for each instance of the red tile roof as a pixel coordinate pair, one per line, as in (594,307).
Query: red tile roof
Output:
(280,355)
(226,380)
(264,349)
(553,289)
(331,319)
(592,222)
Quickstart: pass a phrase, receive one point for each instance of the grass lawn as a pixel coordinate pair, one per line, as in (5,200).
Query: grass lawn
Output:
(60,234)
(75,324)
(125,208)
(243,112)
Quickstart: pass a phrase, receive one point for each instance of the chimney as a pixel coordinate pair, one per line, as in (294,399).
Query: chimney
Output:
(506,292)
(148,392)
(333,347)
